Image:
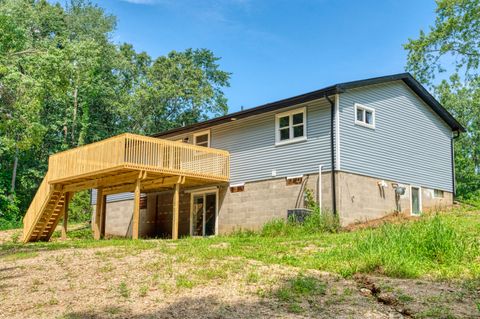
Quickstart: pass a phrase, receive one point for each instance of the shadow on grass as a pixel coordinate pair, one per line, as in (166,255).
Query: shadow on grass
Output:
(298,295)
(201,307)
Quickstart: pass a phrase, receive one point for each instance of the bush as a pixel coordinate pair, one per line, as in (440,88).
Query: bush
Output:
(9,212)
(80,209)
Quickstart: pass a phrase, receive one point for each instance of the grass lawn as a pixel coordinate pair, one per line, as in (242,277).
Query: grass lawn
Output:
(288,267)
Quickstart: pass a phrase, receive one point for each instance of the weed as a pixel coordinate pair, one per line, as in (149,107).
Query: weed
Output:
(143,291)
(123,290)
(53,301)
(436,312)
(298,288)
(347,292)
(404,297)
(15,237)
(253,277)
(183,282)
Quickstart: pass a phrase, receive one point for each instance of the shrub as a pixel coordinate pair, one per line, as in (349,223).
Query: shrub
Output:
(9,212)
(80,209)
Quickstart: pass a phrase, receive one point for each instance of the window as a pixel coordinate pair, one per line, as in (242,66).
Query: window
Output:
(437,193)
(291,126)
(364,116)
(202,139)
(294,180)
(236,188)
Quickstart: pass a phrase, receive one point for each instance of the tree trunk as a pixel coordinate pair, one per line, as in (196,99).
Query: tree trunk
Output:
(75,109)
(14,173)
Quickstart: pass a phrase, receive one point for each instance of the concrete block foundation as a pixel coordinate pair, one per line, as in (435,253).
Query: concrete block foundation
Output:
(359,198)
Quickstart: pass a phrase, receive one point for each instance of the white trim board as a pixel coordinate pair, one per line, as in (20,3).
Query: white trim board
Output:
(337,132)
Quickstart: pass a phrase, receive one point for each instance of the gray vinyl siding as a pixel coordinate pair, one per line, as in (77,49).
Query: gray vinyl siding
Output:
(410,142)
(111,198)
(253,153)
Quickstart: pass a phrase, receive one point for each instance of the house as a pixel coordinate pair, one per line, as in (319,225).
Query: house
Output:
(388,142)
(364,149)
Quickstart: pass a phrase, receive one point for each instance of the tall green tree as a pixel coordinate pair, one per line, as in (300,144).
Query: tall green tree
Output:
(65,83)
(447,59)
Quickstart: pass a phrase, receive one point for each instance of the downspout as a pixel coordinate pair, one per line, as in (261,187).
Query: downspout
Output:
(452,151)
(332,149)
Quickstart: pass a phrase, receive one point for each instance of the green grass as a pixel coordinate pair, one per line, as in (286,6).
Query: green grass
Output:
(298,289)
(444,246)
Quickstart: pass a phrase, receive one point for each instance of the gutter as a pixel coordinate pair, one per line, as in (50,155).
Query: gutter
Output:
(452,154)
(332,148)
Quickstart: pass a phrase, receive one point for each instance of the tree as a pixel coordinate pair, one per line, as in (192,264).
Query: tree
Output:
(64,83)
(179,89)
(452,47)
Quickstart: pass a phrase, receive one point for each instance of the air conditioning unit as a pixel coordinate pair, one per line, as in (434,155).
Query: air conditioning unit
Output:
(298,214)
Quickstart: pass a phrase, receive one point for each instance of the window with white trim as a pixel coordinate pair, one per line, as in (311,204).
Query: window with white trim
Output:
(202,139)
(364,115)
(437,193)
(291,126)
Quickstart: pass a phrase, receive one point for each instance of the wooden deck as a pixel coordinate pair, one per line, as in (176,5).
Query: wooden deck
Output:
(124,163)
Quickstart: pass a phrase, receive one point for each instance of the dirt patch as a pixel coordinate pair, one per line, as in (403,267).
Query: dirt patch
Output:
(127,282)
(394,218)
(11,235)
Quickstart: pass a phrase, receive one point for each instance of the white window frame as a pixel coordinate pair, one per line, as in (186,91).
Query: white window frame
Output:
(290,114)
(195,135)
(420,200)
(364,108)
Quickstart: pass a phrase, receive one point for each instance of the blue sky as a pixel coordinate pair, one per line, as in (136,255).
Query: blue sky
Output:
(277,49)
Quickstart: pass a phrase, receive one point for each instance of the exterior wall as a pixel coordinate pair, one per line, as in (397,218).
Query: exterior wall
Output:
(410,142)
(360,198)
(118,219)
(253,153)
(265,200)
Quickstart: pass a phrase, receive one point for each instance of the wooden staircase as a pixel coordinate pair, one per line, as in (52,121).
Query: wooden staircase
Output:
(48,205)
(48,220)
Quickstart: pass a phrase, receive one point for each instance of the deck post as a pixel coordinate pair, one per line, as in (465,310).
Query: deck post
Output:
(98,214)
(65,215)
(103,216)
(136,211)
(175,210)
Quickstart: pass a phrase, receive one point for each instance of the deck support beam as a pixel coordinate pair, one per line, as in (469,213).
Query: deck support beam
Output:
(175,210)
(136,211)
(66,200)
(99,214)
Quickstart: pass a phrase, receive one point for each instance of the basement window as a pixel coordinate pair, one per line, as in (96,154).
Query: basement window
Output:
(294,180)
(291,126)
(364,116)
(202,139)
(236,188)
(437,193)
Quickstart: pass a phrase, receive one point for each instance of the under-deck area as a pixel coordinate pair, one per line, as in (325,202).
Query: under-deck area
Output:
(124,163)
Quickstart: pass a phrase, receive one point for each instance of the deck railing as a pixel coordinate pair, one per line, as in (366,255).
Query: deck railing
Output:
(140,152)
(128,151)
